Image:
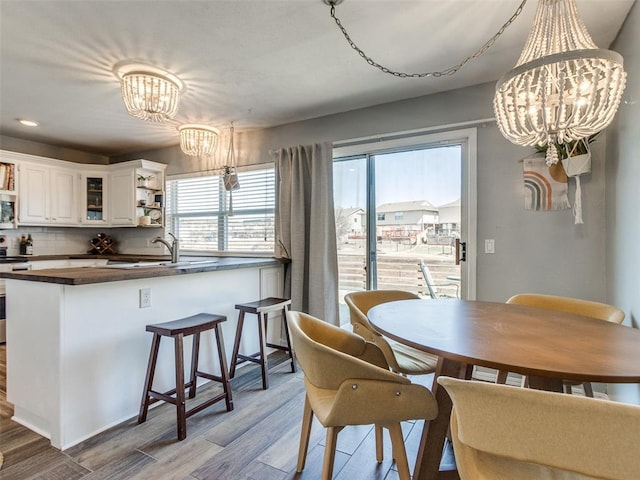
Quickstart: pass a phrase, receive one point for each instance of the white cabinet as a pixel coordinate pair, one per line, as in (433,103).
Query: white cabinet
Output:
(122,209)
(136,189)
(94,199)
(47,195)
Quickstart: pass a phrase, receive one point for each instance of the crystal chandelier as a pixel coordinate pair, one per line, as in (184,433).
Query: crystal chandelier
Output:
(148,92)
(198,140)
(563,87)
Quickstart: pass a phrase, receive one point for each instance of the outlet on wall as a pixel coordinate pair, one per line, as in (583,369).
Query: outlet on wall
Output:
(145,297)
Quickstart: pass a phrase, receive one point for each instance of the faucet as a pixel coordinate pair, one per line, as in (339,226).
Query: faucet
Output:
(174,247)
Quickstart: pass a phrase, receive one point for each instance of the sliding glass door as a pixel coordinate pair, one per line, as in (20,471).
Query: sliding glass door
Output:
(399,217)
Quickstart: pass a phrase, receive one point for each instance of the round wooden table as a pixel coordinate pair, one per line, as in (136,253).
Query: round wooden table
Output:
(547,345)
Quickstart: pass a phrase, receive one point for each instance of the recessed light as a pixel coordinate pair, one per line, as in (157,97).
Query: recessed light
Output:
(28,123)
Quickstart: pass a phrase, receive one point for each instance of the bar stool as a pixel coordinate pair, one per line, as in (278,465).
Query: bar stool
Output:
(262,308)
(178,329)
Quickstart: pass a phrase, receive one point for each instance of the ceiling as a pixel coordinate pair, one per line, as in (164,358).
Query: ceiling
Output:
(258,63)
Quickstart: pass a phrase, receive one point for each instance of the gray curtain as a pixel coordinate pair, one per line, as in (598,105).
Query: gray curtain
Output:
(305,229)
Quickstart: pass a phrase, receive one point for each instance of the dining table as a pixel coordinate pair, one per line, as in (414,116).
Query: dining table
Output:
(548,346)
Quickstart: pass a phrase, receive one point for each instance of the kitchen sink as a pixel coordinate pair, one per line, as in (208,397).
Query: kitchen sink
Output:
(180,265)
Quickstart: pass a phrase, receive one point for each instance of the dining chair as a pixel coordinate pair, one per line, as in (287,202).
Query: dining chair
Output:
(503,432)
(401,358)
(586,308)
(432,286)
(348,382)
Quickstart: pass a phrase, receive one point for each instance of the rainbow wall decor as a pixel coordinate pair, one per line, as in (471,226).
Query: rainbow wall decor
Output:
(545,188)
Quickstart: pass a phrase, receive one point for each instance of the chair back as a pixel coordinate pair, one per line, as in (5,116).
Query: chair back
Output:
(361,302)
(328,355)
(501,431)
(428,279)
(586,308)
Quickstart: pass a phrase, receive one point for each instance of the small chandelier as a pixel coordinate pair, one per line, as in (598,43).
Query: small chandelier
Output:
(563,86)
(148,92)
(198,140)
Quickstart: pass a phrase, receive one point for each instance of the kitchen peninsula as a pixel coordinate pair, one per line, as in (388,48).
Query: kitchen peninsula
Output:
(77,347)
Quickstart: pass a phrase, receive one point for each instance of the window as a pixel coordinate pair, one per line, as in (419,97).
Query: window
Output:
(380,217)
(399,216)
(198,213)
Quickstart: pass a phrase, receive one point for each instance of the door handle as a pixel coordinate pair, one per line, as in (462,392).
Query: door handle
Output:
(461,251)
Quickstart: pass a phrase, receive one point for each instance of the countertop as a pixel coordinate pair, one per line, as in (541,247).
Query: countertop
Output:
(101,274)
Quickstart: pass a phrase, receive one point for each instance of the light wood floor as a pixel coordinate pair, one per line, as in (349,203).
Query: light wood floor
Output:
(258,440)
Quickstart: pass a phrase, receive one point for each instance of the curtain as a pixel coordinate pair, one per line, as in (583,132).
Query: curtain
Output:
(305,229)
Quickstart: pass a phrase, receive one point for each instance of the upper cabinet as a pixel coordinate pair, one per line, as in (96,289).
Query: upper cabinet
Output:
(53,192)
(94,199)
(136,190)
(48,195)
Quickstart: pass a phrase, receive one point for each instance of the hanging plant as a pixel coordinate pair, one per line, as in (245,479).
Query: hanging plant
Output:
(567,149)
(576,160)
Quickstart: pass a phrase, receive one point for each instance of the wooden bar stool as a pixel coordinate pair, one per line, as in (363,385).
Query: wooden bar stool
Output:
(178,329)
(262,308)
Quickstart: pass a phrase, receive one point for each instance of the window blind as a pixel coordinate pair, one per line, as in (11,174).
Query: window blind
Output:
(197,212)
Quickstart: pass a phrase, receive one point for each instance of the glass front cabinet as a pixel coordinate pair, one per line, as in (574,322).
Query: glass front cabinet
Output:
(94,201)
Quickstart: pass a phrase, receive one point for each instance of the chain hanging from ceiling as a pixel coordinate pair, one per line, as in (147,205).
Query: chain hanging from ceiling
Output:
(439,73)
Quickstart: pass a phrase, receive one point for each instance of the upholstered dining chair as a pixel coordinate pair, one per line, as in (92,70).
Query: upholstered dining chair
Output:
(348,382)
(501,432)
(586,308)
(401,358)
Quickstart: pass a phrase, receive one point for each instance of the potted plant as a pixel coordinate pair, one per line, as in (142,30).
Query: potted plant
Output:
(145,219)
(143,181)
(576,160)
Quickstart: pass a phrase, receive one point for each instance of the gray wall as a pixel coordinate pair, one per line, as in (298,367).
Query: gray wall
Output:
(541,252)
(623,193)
(43,150)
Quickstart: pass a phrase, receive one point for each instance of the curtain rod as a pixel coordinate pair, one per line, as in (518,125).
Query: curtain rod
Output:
(410,133)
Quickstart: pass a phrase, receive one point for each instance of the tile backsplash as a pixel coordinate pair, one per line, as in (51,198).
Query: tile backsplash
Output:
(74,241)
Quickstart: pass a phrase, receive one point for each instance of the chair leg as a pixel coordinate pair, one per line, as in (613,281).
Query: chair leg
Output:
(288,338)
(307,419)
(195,350)
(567,389)
(262,333)
(330,452)
(588,390)
(379,444)
(148,382)
(399,452)
(180,400)
(501,378)
(236,345)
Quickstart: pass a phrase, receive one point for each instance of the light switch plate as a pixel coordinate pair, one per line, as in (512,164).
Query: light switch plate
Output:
(489,245)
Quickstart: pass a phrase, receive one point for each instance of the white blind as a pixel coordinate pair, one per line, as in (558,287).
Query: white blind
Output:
(198,213)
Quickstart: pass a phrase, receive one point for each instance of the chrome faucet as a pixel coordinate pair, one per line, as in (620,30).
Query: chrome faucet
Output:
(174,247)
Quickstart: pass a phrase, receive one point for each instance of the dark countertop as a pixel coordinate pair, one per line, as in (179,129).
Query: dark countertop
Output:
(89,275)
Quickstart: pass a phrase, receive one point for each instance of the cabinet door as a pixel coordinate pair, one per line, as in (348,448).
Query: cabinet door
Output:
(34,194)
(64,197)
(122,198)
(93,204)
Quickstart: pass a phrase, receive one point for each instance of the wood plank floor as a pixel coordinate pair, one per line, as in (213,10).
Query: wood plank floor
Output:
(258,440)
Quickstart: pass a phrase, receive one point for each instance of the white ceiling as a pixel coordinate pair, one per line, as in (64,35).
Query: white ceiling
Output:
(258,63)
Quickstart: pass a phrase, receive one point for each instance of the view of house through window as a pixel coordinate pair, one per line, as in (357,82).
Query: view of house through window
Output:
(204,216)
(398,215)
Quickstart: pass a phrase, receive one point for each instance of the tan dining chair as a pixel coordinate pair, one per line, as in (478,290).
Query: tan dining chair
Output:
(586,308)
(348,382)
(501,432)
(401,358)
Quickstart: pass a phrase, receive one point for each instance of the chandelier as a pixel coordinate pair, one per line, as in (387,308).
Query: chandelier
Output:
(563,87)
(148,92)
(198,140)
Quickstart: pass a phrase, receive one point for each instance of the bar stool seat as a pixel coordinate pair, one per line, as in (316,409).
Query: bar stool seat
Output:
(178,329)
(262,308)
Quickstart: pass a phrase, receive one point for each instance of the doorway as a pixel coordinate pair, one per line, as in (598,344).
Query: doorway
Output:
(405,212)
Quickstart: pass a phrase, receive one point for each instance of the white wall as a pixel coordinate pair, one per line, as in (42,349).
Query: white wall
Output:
(623,193)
